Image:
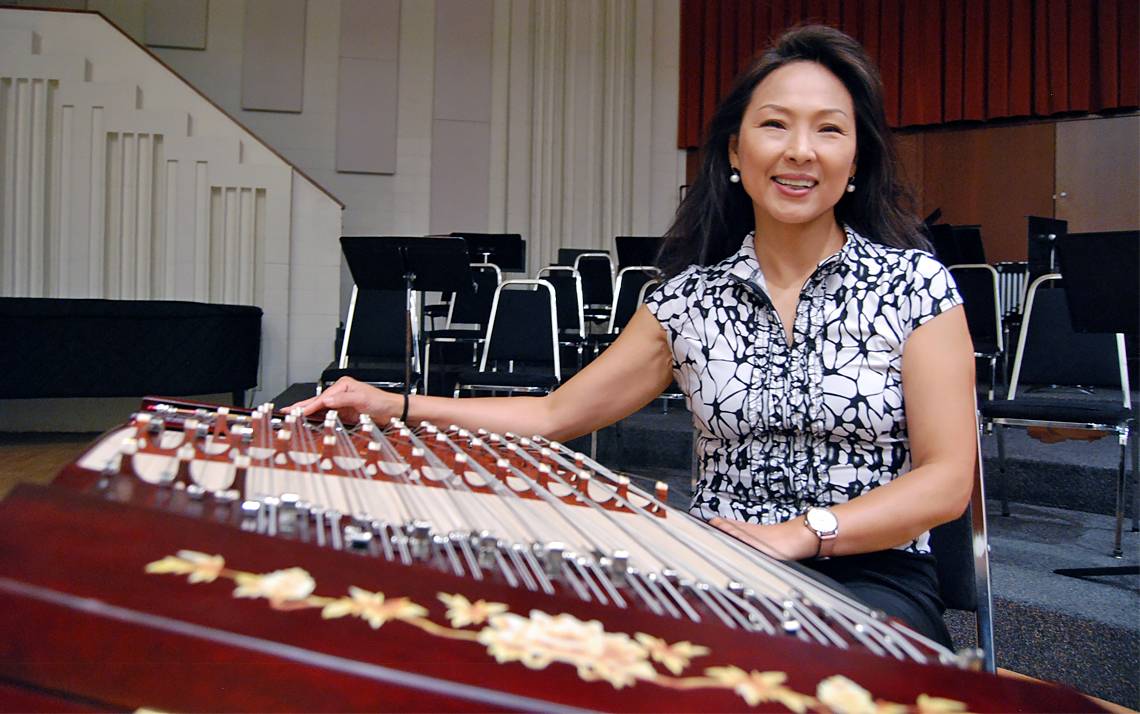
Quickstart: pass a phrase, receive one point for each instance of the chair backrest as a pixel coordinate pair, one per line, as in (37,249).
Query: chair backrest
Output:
(1051,352)
(567,256)
(376,325)
(962,561)
(524,326)
(567,284)
(978,285)
(472,304)
(630,282)
(597,271)
(1012,280)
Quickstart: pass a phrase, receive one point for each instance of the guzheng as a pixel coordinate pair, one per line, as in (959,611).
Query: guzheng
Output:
(208,558)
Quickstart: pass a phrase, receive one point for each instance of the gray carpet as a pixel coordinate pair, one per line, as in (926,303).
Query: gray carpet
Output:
(1084,633)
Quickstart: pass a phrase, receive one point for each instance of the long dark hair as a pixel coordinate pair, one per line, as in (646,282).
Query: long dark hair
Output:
(716,214)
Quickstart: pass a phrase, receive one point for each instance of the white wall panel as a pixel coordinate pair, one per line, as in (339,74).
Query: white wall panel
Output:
(133,186)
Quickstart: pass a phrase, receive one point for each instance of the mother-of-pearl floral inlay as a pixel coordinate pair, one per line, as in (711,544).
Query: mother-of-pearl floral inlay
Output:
(538,640)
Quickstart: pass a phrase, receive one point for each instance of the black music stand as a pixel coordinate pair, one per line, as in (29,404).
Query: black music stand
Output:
(437,263)
(968,239)
(1100,272)
(506,250)
(945,247)
(637,250)
(1041,236)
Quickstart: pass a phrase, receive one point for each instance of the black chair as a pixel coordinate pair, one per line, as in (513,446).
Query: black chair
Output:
(978,285)
(597,273)
(962,560)
(567,284)
(470,307)
(1067,366)
(630,292)
(520,353)
(375,341)
(567,256)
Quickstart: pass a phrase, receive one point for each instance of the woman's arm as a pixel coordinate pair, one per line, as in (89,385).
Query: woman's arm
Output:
(627,376)
(938,391)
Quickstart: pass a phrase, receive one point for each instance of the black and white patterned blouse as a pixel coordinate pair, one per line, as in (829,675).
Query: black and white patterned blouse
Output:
(782,428)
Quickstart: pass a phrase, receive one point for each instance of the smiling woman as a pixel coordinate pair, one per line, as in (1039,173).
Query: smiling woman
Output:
(825,361)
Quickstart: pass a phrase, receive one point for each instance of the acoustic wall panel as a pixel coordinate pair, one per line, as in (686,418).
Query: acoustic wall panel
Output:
(368,86)
(370,29)
(273,56)
(463,32)
(461,161)
(366,116)
(176,23)
(461,127)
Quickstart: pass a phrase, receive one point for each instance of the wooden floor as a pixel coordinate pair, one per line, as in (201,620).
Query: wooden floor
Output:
(37,458)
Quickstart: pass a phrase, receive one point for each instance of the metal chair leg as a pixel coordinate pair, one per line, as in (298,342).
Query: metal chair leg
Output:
(1135,483)
(1117,551)
(1003,480)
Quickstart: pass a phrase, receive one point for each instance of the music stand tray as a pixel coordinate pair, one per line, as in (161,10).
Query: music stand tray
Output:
(637,250)
(506,250)
(438,263)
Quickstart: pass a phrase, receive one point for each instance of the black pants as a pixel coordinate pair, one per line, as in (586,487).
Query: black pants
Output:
(901,584)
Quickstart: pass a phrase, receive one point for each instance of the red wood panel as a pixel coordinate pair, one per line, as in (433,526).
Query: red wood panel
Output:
(688,124)
(726,47)
(1107,58)
(997,59)
(746,44)
(922,63)
(940,60)
(850,21)
(890,54)
(1058,41)
(833,13)
(1021,58)
(1129,72)
(974,75)
(954,43)
(872,30)
(1041,84)
(710,75)
(1080,55)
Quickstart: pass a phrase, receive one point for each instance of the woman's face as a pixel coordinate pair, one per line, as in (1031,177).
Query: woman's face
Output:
(796,147)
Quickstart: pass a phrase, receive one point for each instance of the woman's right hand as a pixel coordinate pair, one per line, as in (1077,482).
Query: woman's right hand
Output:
(350,399)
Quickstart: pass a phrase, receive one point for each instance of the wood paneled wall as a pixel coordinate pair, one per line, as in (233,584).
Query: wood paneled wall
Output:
(990,176)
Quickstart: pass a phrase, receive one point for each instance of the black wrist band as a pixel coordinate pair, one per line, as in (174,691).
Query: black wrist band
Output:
(404,414)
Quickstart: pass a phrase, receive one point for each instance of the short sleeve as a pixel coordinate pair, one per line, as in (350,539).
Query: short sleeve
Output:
(929,292)
(670,302)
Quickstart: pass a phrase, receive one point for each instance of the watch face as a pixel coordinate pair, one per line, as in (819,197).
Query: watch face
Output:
(822,520)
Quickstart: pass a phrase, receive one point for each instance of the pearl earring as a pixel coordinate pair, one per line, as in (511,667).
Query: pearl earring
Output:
(735,176)
(851,185)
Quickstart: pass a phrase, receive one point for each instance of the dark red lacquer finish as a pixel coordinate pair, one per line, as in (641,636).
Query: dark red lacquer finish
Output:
(82,616)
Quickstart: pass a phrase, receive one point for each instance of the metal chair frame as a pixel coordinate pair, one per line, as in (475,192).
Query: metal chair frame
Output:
(350,323)
(537,284)
(598,311)
(475,341)
(1121,429)
(992,357)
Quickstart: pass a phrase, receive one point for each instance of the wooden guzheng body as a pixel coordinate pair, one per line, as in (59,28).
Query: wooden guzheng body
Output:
(200,558)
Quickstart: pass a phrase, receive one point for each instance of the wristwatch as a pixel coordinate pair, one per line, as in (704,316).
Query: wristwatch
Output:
(823,523)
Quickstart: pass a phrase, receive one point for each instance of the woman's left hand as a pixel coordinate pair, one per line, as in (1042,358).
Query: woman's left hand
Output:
(787,541)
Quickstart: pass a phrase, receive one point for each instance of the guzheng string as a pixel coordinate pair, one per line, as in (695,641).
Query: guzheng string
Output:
(529,509)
